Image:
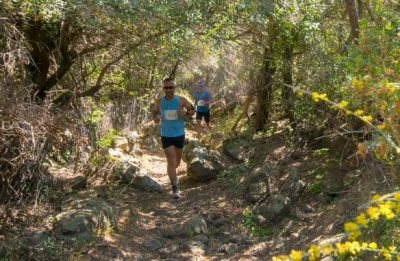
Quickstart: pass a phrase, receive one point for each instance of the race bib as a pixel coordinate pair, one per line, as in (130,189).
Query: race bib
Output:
(171,115)
(200,103)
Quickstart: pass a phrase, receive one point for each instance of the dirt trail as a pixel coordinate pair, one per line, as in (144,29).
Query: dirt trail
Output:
(145,215)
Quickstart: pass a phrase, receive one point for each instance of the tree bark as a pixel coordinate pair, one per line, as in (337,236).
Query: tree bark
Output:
(353,18)
(264,91)
(287,93)
(173,72)
(246,105)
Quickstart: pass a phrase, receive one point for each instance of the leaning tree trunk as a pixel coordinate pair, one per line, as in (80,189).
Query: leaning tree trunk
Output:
(173,72)
(246,105)
(264,91)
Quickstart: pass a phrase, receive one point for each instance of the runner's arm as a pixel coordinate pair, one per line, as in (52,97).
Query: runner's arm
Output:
(156,111)
(188,106)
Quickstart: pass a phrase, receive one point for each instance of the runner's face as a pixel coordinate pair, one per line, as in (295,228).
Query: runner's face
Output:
(168,87)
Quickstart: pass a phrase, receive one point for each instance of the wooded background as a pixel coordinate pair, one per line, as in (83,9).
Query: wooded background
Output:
(74,72)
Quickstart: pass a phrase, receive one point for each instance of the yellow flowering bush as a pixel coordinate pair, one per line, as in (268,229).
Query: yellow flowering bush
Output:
(381,148)
(385,207)
(372,95)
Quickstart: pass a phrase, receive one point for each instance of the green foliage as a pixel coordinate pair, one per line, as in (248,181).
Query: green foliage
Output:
(190,232)
(315,187)
(381,216)
(108,139)
(373,86)
(233,173)
(248,221)
(321,151)
(96,116)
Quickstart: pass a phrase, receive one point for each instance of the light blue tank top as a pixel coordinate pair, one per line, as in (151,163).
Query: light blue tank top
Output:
(202,95)
(171,123)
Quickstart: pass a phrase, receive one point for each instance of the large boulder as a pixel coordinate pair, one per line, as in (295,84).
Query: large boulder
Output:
(202,164)
(293,186)
(129,174)
(237,148)
(83,215)
(274,209)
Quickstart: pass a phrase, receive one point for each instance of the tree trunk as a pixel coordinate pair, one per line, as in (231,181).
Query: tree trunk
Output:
(173,72)
(287,93)
(264,92)
(353,17)
(249,99)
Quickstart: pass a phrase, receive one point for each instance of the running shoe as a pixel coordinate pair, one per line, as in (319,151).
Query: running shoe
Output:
(175,192)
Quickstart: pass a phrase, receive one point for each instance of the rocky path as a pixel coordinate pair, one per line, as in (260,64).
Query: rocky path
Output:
(150,224)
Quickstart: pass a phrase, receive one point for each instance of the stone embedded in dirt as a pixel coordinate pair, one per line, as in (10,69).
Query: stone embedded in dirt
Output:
(231,248)
(171,234)
(202,238)
(195,247)
(219,222)
(194,226)
(151,243)
(168,251)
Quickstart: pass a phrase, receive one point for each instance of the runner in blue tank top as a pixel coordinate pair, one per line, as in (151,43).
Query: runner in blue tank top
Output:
(203,99)
(170,110)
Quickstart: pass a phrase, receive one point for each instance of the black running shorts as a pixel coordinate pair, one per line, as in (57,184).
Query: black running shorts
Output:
(206,115)
(173,141)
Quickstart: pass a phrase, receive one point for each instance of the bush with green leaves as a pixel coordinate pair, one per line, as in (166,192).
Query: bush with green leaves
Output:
(233,173)
(107,140)
(248,221)
(381,216)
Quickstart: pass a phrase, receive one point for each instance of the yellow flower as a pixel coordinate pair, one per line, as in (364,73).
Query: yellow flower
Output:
(314,252)
(343,104)
(381,126)
(350,226)
(315,96)
(373,245)
(362,220)
(358,112)
(376,197)
(367,118)
(353,247)
(327,249)
(323,97)
(397,196)
(373,213)
(296,255)
(386,210)
(300,93)
(387,255)
(353,235)
(356,83)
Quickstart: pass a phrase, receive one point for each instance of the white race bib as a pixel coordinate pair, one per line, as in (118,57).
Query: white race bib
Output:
(200,103)
(171,114)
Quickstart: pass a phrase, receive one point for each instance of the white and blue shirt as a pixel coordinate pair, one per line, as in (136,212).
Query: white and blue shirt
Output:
(171,123)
